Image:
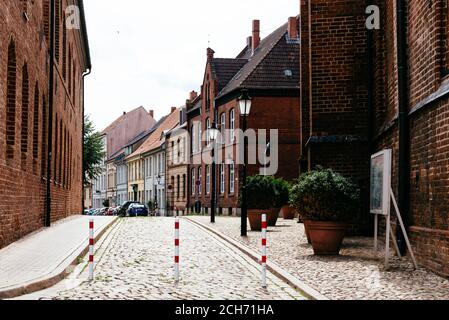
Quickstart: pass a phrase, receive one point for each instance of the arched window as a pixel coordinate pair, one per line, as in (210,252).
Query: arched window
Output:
(222,178)
(11,101)
(178,187)
(44,136)
(36,113)
(25,116)
(231,178)
(55,148)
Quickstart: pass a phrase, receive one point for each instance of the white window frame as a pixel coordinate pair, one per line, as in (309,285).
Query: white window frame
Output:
(232,126)
(207,179)
(200,178)
(193,181)
(232,178)
(222,179)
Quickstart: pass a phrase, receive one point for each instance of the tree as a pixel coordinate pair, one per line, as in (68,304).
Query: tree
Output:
(93,151)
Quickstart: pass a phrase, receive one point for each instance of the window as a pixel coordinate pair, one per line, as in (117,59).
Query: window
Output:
(193,182)
(222,179)
(44,137)
(25,110)
(231,178)
(200,138)
(11,101)
(36,123)
(207,179)
(184,186)
(208,130)
(193,135)
(200,179)
(223,127)
(178,187)
(231,126)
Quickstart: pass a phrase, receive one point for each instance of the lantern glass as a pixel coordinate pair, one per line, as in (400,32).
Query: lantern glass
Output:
(245,104)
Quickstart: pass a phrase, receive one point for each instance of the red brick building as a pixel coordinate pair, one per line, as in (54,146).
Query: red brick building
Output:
(24,115)
(268,70)
(411,116)
(363,91)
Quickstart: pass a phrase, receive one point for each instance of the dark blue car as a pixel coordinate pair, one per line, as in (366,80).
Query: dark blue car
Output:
(137,210)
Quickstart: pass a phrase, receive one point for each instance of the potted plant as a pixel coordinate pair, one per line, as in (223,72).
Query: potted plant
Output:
(287,211)
(281,193)
(260,199)
(326,201)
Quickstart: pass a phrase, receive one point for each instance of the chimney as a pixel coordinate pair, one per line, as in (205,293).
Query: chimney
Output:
(210,54)
(249,42)
(151,112)
(256,35)
(293,32)
(173,109)
(193,95)
(124,112)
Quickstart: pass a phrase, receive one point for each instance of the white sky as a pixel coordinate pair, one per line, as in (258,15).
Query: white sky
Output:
(152,53)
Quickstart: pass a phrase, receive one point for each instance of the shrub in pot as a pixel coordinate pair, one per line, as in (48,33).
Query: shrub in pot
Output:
(281,194)
(260,199)
(327,201)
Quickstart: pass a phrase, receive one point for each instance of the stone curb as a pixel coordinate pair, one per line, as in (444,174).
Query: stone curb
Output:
(56,275)
(305,289)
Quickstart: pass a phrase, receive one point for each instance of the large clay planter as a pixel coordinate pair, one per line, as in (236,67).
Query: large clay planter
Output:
(272,218)
(327,236)
(306,231)
(255,218)
(288,213)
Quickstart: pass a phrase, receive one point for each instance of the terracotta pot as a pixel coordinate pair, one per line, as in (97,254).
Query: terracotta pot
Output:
(288,213)
(273,215)
(255,218)
(327,236)
(307,232)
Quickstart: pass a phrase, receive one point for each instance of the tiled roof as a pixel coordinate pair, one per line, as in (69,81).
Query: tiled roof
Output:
(154,139)
(122,118)
(274,65)
(225,69)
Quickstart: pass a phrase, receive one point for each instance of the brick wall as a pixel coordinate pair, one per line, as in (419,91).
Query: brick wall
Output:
(23,163)
(334,89)
(428,121)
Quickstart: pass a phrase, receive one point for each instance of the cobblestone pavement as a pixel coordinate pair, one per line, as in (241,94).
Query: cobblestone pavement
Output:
(137,263)
(358,273)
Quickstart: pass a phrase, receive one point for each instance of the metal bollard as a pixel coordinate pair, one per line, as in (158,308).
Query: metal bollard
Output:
(177,250)
(91,250)
(264,251)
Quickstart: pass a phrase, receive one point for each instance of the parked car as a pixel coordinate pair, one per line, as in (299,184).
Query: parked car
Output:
(137,210)
(124,208)
(110,212)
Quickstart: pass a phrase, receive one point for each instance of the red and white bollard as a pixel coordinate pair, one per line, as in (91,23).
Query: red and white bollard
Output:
(176,249)
(264,251)
(91,250)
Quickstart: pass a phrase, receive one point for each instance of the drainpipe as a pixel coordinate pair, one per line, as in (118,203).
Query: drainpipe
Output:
(50,113)
(85,74)
(404,134)
(370,102)
(310,93)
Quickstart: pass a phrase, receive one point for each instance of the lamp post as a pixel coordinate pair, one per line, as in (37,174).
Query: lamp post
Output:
(213,134)
(245,108)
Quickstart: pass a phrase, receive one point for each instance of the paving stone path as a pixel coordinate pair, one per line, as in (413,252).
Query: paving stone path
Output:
(358,273)
(137,263)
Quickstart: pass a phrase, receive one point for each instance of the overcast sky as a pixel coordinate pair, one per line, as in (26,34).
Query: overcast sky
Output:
(152,53)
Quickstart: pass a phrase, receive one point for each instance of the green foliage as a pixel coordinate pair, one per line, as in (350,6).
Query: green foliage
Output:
(151,205)
(93,151)
(282,192)
(324,195)
(260,193)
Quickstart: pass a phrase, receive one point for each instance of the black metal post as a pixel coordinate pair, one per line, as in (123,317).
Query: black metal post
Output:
(212,195)
(244,213)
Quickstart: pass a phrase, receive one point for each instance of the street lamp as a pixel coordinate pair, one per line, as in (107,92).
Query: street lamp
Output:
(213,134)
(245,108)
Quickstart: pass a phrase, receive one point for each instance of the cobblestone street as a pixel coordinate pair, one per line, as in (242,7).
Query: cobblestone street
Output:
(136,262)
(357,273)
